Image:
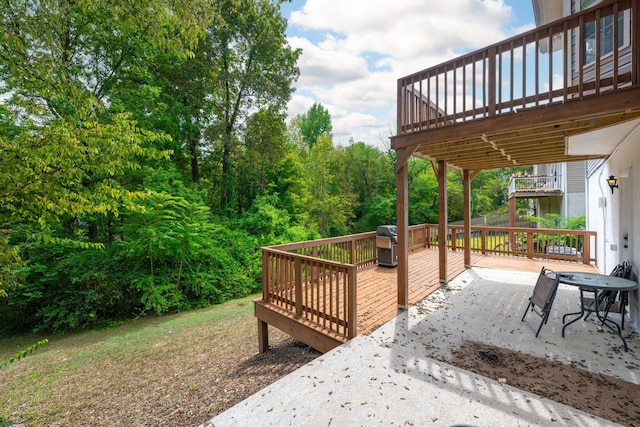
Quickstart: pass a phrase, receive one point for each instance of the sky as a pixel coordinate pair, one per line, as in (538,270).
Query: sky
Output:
(354,51)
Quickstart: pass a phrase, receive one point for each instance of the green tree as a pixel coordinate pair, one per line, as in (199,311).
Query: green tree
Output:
(557,221)
(314,123)
(55,54)
(330,205)
(489,190)
(423,193)
(292,186)
(64,156)
(255,67)
(371,179)
(172,97)
(263,150)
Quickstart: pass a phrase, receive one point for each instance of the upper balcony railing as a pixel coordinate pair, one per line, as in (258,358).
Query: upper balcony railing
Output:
(585,54)
(534,184)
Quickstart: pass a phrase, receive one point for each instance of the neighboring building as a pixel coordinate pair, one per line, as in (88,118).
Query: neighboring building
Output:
(554,188)
(572,202)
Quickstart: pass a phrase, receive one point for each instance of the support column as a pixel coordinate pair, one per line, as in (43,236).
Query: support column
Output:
(442,222)
(402,215)
(512,211)
(466,231)
(512,223)
(263,336)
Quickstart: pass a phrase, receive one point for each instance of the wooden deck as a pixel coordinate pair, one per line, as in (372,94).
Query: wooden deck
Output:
(325,292)
(377,286)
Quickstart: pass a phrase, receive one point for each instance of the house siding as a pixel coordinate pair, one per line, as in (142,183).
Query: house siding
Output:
(605,217)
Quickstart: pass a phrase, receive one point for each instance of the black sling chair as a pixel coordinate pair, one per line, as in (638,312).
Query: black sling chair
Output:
(543,295)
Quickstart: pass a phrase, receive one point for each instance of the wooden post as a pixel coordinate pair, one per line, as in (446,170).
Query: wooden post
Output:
(352,251)
(424,237)
(314,270)
(265,275)
(586,249)
(466,231)
(442,222)
(402,215)
(298,281)
(263,336)
(512,222)
(492,82)
(512,212)
(352,318)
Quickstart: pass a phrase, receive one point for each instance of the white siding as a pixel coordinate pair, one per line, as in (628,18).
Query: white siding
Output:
(604,216)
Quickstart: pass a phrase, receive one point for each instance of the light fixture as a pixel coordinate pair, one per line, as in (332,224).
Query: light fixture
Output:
(613,182)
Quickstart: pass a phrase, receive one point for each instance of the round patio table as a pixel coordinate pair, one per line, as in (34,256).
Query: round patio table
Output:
(596,283)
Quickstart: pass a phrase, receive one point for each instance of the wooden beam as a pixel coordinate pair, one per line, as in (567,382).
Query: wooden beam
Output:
(466,231)
(434,166)
(402,157)
(481,163)
(442,222)
(526,147)
(402,215)
(461,148)
(585,108)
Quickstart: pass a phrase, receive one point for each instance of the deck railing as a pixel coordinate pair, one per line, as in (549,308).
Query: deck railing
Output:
(317,280)
(571,58)
(319,291)
(532,243)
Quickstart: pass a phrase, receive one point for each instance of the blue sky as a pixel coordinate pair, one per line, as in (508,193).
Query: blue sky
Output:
(355,50)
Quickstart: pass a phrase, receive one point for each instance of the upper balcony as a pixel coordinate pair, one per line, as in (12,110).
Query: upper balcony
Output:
(535,186)
(519,101)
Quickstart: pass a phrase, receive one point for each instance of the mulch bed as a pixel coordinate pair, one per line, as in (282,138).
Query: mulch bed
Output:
(600,395)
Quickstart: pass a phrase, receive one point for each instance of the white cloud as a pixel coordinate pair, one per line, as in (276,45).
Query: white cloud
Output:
(299,104)
(405,28)
(320,66)
(354,51)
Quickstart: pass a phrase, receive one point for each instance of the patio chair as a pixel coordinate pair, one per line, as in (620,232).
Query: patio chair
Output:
(543,295)
(611,301)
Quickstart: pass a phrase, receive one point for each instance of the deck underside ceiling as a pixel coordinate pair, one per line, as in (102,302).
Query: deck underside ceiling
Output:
(525,138)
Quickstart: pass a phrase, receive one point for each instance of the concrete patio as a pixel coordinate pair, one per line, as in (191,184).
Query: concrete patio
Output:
(399,374)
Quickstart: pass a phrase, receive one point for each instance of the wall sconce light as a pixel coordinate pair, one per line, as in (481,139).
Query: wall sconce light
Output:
(613,183)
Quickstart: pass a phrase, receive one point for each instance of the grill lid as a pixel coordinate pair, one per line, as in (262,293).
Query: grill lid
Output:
(388,231)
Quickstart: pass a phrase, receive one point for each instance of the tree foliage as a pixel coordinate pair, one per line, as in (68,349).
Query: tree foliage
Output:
(145,159)
(315,123)
(255,68)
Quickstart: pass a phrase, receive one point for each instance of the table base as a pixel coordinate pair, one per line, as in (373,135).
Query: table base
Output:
(603,319)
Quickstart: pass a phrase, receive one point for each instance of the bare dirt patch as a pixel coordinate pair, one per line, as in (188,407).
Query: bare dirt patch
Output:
(603,396)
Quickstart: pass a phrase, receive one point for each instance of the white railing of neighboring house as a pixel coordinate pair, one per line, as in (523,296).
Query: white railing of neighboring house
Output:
(543,183)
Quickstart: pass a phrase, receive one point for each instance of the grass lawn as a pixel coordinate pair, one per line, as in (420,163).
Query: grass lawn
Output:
(181,369)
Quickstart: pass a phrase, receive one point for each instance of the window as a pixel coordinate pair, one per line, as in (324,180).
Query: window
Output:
(606,35)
